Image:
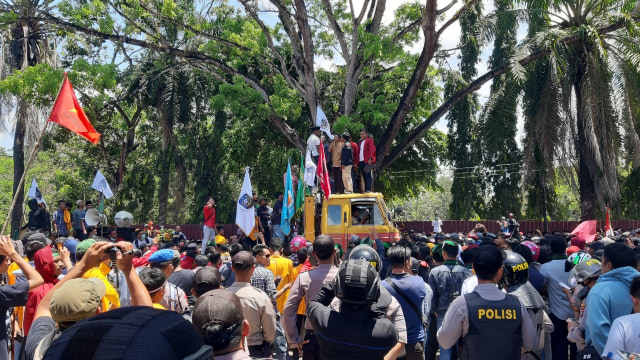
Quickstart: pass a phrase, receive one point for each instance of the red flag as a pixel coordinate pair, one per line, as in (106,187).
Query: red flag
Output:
(586,230)
(608,230)
(68,113)
(323,173)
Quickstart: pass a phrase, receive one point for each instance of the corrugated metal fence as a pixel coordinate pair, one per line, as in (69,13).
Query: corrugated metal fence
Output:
(194,231)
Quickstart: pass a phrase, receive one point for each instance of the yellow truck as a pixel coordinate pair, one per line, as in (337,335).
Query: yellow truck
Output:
(344,215)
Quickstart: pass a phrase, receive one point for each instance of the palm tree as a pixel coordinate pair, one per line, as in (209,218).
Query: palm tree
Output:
(25,44)
(577,109)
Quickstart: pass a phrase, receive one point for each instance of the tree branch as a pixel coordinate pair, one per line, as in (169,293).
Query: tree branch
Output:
(336,29)
(283,65)
(418,132)
(446,8)
(455,17)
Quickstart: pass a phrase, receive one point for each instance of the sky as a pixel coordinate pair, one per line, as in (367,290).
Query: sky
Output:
(449,39)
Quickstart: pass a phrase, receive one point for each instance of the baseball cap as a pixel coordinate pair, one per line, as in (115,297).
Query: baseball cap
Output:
(243,260)
(218,306)
(579,242)
(205,279)
(84,245)
(76,299)
(415,265)
(125,333)
(572,249)
(71,245)
(161,255)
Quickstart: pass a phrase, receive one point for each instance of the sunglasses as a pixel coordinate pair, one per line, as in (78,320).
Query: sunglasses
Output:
(267,255)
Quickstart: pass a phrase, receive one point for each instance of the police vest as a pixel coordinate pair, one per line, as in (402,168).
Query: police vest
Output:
(494,329)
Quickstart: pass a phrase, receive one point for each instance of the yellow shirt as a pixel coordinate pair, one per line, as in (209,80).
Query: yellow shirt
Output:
(282,267)
(220,240)
(158,306)
(11,278)
(111,296)
(302,308)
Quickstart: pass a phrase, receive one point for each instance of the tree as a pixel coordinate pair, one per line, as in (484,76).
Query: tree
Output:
(27,44)
(498,125)
(584,70)
(464,152)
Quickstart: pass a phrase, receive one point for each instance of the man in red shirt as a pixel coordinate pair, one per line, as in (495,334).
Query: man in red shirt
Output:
(366,158)
(209,228)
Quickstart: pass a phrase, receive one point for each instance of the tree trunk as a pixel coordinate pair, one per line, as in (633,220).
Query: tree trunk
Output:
(18,164)
(164,167)
(588,197)
(178,198)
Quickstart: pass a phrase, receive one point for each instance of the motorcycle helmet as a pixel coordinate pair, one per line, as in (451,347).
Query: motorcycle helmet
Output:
(515,270)
(574,259)
(368,253)
(535,250)
(586,269)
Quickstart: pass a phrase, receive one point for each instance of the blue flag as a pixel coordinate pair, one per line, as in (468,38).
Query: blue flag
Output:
(288,204)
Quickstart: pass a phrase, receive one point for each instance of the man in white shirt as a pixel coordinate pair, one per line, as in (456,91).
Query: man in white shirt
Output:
(313,143)
(437,225)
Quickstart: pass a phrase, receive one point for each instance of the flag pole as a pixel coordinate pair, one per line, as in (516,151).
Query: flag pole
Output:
(24,175)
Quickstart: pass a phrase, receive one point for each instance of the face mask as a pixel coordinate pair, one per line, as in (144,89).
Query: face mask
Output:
(144,236)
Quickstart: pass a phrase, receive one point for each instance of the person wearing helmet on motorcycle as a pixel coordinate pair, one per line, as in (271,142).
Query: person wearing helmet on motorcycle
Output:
(515,280)
(585,274)
(386,303)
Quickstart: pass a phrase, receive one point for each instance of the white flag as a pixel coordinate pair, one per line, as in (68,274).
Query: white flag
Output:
(323,123)
(34,192)
(101,184)
(309,170)
(245,216)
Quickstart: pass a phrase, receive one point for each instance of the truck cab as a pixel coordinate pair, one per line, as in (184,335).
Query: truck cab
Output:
(344,215)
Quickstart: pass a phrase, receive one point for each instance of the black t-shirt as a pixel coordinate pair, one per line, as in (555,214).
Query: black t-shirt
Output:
(40,328)
(184,280)
(263,214)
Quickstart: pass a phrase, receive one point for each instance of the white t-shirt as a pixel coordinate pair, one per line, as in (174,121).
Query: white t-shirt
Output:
(312,144)
(362,150)
(437,226)
(469,284)
(624,335)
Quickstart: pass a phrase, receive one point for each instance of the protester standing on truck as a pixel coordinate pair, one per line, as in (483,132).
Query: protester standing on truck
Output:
(366,159)
(313,143)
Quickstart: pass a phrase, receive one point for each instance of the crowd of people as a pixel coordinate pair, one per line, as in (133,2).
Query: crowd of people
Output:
(467,295)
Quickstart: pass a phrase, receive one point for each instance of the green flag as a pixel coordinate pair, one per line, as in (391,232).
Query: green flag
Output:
(301,187)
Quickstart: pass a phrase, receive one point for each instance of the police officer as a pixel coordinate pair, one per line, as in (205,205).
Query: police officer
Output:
(354,329)
(515,280)
(486,315)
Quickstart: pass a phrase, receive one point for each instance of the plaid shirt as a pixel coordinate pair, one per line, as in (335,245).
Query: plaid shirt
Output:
(58,217)
(262,279)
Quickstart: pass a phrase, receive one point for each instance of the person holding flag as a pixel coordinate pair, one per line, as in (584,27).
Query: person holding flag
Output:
(276,216)
(313,144)
(608,230)
(323,173)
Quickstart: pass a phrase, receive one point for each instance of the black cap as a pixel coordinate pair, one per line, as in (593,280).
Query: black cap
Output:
(315,128)
(243,260)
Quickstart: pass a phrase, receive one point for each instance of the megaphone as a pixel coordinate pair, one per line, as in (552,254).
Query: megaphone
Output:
(92,217)
(123,219)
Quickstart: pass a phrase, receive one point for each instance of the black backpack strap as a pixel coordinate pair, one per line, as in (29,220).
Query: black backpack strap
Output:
(406,298)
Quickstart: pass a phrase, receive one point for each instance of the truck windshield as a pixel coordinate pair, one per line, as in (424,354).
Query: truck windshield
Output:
(366,214)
